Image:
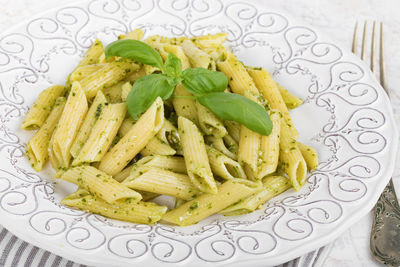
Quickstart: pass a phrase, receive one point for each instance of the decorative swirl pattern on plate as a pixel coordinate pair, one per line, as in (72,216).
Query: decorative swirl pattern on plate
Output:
(355,137)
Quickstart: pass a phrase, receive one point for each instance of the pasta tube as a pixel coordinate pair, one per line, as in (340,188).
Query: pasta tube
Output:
(197,57)
(209,123)
(157,147)
(291,159)
(169,135)
(37,147)
(233,129)
(310,155)
(290,99)
(174,164)
(100,184)
(92,54)
(81,72)
(269,147)
(102,135)
(140,212)
(109,75)
(135,140)
(223,166)
(226,145)
(196,159)
(270,91)
(238,78)
(136,34)
(91,117)
(114,93)
(69,124)
(207,204)
(272,186)
(119,177)
(42,107)
(125,90)
(126,125)
(163,182)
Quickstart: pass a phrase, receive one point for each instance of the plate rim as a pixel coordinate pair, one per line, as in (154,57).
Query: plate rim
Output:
(288,256)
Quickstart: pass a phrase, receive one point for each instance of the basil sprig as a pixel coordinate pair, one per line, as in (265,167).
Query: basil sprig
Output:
(135,50)
(173,66)
(207,87)
(234,107)
(146,89)
(200,81)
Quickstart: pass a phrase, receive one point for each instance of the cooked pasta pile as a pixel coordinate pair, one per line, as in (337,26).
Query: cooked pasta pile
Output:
(177,147)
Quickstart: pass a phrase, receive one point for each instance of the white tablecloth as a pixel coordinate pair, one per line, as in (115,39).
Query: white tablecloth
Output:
(334,17)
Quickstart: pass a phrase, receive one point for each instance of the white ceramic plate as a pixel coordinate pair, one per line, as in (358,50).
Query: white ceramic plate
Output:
(346,116)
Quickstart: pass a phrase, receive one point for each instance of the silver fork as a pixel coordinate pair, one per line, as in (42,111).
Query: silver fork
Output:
(385,232)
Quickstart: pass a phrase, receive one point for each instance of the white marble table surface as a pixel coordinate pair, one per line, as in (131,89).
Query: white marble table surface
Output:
(334,17)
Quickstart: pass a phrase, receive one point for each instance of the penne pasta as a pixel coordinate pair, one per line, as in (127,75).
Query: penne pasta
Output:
(157,147)
(119,177)
(209,122)
(210,41)
(238,78)
(125,90)
(223,166)
(91,117)
(42,107)
(291,101)
(102,135)
(114,93)
(208,204)
(161,181)
(233,129)
(179,202)
(183,105)
(126,125)
(248,152)
(269,147)
(135,140)
(136,34)
(37,147)
(140,212)
(68,125)
(174,164)
(169,135)
(272,186)
(225,145)
(100,184)
(108,75)
(197,57)
(291,159)
(310,155)
(92,54)
(83,71)
(195,155)
(269,89)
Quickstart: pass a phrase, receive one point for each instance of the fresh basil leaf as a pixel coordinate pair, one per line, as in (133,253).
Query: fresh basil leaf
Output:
(173,66)
(238,108)
(200,81)
(135,50)
(145,90)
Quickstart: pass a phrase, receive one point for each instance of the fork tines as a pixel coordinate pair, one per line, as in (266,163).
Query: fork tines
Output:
(373,45)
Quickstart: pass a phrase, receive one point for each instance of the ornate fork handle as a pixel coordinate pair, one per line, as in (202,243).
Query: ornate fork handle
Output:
(385,236)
